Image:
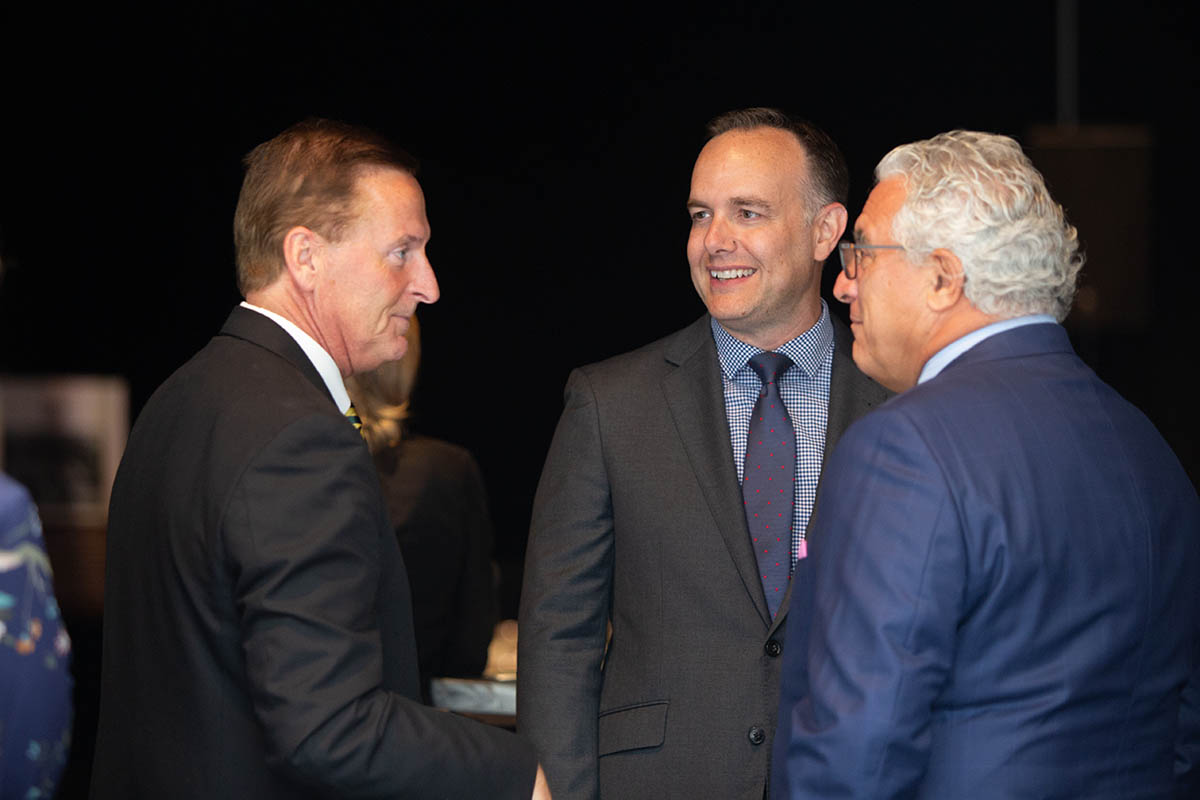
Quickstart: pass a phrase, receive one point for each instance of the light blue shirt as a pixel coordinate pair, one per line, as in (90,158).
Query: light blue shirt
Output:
(943,357)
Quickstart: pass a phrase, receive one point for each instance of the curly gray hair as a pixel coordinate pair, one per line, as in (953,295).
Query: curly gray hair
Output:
(978,195)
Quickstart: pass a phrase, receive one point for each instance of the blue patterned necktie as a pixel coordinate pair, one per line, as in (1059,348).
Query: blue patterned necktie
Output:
(768,479)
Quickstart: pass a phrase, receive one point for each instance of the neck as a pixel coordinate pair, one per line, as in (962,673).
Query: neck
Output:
(952,327)
(779,335)
(282,298)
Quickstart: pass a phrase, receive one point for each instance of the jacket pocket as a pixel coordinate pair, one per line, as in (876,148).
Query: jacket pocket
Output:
(632,727)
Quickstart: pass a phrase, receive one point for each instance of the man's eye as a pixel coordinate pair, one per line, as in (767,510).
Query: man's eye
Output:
(746,213)
(700,215)
(400,254)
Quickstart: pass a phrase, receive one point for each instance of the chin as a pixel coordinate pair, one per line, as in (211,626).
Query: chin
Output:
(863,361)
(398,349)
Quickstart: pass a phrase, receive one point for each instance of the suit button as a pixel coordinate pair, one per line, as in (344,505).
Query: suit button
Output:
(773,648)
(757,735)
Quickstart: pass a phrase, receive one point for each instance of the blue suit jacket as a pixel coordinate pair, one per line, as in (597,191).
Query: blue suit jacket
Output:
(1001,594)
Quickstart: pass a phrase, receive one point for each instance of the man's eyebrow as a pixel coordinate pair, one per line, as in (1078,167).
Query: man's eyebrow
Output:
(749,200)
(407,240)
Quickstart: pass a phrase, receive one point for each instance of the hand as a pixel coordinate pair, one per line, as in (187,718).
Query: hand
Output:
(541,789)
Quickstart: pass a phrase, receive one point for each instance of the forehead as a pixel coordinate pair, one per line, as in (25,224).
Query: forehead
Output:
(756,160)
(874,224)
(389,196)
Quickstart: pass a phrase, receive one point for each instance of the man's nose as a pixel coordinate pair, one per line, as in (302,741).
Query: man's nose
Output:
(845,289)
(719,237)
(425,285)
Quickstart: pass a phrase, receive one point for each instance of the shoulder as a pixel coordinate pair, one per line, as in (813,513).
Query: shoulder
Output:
(893,421)
(651,361)
(232,405)
(436,455)
(237,377)
(13,495)
(18,518)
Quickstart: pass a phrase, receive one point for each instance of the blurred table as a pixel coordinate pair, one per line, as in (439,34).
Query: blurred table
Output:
(492,698)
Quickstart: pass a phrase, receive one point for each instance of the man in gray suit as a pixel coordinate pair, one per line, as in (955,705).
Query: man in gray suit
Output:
(641,517)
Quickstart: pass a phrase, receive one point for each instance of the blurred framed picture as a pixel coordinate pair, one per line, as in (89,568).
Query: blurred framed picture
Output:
(63,436)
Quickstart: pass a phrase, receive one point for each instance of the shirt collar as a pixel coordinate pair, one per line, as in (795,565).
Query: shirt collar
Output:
(942,358)
(321,360)
(807,351)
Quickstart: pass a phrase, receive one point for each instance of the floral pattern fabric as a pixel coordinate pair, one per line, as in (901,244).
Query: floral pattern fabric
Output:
(35,653)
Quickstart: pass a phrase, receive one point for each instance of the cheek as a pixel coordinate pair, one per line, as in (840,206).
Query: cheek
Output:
(874,314)
(391,286)
(695,248)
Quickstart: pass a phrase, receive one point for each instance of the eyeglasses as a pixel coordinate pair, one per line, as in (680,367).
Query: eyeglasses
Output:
(852,255)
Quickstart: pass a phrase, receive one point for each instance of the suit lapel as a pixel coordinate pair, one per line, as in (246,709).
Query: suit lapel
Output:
(696,401)
(266,333)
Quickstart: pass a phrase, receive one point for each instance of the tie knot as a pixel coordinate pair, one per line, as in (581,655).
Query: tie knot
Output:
(768,366)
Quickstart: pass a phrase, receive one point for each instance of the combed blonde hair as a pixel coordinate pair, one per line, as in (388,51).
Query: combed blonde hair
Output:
(381,396)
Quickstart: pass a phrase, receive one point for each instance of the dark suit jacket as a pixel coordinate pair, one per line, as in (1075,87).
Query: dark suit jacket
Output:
(258,638)
(639,518)
(1000,598)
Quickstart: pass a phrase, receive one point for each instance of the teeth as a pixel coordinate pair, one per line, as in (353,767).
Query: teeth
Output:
(728,274)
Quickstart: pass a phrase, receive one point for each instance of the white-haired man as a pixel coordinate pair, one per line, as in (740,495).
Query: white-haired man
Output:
(1000,595)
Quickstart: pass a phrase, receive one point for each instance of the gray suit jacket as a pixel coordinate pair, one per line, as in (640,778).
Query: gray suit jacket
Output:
(638,520)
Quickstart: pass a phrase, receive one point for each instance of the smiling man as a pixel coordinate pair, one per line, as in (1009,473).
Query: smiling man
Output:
(258,635)
(1001,596)
(643,521)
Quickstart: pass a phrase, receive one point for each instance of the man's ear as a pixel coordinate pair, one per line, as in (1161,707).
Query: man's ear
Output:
(827,228)
(946,280)
(301,248)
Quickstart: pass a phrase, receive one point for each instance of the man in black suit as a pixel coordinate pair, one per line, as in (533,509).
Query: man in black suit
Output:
(641,519)
(258,636)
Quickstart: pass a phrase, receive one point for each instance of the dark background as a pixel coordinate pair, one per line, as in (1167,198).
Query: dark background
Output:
(556,151)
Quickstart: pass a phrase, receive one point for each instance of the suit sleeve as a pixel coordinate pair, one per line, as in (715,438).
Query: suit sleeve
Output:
(1187,736)
(882,597)
(303,534)
(565,601)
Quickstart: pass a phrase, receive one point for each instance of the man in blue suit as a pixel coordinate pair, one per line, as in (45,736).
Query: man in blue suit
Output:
(1001,594)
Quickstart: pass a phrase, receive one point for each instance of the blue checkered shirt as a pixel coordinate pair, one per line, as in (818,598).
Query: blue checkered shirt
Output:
(804,387)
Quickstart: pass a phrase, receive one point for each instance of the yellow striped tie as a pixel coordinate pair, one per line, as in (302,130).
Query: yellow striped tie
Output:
(352,415)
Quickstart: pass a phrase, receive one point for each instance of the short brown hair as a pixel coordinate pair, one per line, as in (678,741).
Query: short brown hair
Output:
(304,176)
(827,165)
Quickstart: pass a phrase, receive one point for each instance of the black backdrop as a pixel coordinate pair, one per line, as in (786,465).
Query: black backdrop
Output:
(556,149)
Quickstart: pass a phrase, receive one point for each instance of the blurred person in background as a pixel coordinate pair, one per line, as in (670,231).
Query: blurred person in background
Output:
(437,503)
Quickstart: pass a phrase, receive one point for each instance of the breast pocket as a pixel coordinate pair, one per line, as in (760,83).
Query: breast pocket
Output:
(632,727)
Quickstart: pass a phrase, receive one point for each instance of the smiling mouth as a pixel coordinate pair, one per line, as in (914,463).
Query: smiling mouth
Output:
(730,274)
